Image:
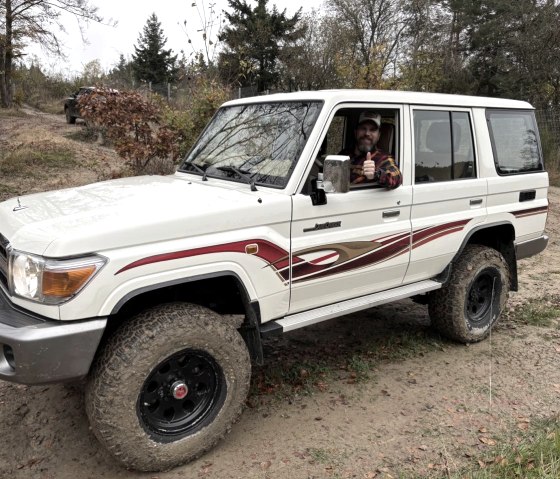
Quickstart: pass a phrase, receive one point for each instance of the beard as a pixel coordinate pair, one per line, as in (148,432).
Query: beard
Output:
(365,147)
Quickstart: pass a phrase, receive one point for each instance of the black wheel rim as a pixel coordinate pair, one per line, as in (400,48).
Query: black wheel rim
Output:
(166,414)
(484,288)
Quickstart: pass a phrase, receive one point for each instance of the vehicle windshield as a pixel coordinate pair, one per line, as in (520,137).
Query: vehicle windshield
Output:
(260,143)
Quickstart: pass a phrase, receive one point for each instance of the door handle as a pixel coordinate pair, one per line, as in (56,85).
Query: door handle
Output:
(391,214)
(527,195)
(478,201)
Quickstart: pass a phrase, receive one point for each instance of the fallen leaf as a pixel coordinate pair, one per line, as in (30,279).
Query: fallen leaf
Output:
(501,460)
(486,440)
(322,386)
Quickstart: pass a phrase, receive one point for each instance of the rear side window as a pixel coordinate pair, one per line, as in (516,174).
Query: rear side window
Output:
(514,141)
(443,146)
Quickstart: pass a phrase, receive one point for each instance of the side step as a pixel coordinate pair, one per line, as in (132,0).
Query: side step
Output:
(306,318)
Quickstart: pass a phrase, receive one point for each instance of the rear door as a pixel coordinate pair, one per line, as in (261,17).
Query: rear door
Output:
(449,194)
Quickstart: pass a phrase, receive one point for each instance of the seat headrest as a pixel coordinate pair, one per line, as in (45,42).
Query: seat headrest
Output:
(438,137)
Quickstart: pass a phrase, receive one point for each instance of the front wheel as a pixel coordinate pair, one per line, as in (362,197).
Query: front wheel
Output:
(168,386)
(471,302)
(69,118)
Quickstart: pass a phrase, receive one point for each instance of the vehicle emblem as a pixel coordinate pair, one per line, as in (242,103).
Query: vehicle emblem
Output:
(179,390)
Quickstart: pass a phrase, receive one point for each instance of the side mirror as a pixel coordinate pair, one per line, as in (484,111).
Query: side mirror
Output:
(334,179)
(336,174)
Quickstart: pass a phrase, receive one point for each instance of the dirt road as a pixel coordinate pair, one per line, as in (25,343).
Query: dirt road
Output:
(389,395)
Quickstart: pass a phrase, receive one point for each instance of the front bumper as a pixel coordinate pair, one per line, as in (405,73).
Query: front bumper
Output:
(34,350)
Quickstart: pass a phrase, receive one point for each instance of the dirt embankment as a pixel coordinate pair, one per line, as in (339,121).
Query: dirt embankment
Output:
(430,409)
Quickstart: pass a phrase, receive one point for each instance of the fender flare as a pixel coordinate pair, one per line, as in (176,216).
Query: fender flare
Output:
(508,253)
(249,330)
(152,287)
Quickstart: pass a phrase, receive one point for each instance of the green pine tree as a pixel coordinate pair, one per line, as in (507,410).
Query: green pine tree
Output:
(254,40)
(151,62)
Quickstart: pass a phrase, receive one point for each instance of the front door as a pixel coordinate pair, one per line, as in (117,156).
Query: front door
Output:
(359,242)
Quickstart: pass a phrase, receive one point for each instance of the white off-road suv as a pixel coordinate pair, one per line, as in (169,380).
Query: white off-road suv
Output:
(132,283)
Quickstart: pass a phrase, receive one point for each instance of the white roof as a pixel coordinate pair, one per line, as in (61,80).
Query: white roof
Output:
(388,96)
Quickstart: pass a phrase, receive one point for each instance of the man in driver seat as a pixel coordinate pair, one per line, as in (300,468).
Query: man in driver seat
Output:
(368,164)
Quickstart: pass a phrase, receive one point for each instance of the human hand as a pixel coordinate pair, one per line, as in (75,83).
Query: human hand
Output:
(369,167)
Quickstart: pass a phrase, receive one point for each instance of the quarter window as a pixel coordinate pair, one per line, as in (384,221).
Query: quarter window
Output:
(514,141)
(443,146)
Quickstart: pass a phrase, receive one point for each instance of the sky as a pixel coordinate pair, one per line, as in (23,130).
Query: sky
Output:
(105,43)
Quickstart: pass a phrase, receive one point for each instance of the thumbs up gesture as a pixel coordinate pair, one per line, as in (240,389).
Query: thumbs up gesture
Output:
(369,167)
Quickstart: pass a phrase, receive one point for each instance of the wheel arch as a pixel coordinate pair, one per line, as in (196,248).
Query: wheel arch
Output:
(223,292)
(499,236)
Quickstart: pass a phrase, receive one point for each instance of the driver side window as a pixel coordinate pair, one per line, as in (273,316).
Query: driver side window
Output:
(341,138)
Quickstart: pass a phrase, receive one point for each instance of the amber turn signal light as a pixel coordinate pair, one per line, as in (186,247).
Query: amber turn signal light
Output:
(65,283)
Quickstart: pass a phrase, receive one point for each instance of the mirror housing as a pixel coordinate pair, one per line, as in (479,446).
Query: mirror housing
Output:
(336,174)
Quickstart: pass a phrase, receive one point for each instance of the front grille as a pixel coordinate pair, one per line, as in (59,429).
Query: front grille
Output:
(4,260)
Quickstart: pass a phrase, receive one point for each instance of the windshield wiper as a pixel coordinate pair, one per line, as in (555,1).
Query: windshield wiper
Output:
(247,178)
(199,169)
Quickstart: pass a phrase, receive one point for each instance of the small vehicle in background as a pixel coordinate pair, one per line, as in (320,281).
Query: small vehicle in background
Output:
(71,110)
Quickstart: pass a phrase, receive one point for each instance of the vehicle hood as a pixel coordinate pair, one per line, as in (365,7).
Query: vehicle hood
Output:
(132,211)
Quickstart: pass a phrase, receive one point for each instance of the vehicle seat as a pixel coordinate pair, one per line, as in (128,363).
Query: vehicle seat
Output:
(386,138)
(438,138)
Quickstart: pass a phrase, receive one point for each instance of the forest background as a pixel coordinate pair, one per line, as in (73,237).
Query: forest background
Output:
(496,48)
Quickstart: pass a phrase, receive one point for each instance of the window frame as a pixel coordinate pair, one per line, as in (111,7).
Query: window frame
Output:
(487,114)
(399,108)
(450,110)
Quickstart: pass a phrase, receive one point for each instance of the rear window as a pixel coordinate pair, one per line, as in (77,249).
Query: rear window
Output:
(515,141)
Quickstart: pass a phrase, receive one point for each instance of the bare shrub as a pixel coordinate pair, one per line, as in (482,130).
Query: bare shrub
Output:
(134,125)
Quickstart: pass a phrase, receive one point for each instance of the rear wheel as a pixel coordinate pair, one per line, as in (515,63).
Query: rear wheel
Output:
(168,386)
(470,304)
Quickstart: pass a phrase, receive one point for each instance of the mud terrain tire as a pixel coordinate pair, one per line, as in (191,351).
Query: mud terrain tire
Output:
(471,302)
(168,386)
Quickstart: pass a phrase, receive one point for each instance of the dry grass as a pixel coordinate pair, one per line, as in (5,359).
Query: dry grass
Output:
(33,152)
(11,112)
(37,155)
(26,161)
(536,455)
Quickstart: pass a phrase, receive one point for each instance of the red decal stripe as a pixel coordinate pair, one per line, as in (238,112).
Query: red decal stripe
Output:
(530,212)
(379,255)
(435,236)
(267,251)
(391,246)
(423,233)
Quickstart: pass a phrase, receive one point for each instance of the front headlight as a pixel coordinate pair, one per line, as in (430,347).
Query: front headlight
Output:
(47,280)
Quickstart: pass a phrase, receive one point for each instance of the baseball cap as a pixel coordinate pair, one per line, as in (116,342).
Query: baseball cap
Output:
(370,116)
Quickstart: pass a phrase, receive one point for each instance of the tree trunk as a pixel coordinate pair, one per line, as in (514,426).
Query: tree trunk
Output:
(6,66)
